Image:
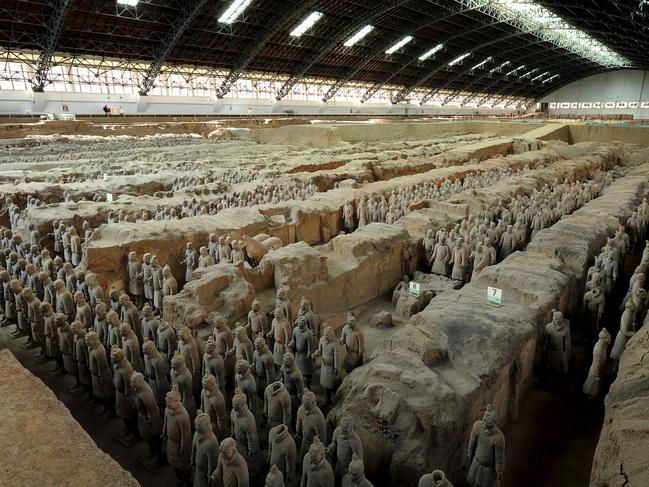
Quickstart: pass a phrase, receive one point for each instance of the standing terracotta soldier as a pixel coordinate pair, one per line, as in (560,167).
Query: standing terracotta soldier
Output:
(213,403)
(244,429)
(177,430)
(101,323)
(190,261)
(275,478)
(213,363)
(458,259)
(348,216)
(150,324)
(149,421)
(593,385)
(302,346)
(167,342)
(75,247)
(158,283)
(35,320)
(292,379)
(84,379)
(155,372)
(224,343)
(356,474)
(100,371)
(169,284)
(556,347)
(147,278)
(344,444)
(231,470)
(277,405)
(124,396)
(205,451)
(131,347)
(257,321)
(263,365)
(66,344)
(281,332)
(310,422)
(135,278)
(316,471)
(328,351)
(435,479)
(353,340)
(84,313)
(64,300)
(95,292)
(486,452)
(52,349)
(440,257)
(189,350)
(282,452)
(245,382)
(181,379)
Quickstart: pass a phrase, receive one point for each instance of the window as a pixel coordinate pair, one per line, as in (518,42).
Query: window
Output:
(553,105)
(564,104)
(644,104)
(574,105)
(597,104)
(620,104)
(609,104)
(633,104)
(586,104)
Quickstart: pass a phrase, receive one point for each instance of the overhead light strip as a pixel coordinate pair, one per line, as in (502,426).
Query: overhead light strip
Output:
(459,59)
(515,70)
(529,16)
(306,24)
(479,65)
(542,75)
(358,36)
(501,66)
(235,9)
(399,45)
(550,79)
(428,54)
(128,3)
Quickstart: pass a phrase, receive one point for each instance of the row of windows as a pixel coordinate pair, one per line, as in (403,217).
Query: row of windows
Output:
(110,80)
(600,104)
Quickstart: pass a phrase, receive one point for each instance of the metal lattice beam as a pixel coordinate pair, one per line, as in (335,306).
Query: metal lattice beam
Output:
(54,28)
(345,33)
(185,18)
(293,12)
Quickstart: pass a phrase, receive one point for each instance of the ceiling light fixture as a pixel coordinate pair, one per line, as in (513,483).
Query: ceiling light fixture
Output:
(235,9)
(358,36)
(428,54)
(459,59)
(306,24)
(399,45)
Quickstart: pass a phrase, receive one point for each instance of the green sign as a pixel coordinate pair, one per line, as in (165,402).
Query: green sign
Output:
(494,296)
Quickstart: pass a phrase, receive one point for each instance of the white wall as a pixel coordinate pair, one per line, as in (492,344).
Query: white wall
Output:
(620,88)
(26,102)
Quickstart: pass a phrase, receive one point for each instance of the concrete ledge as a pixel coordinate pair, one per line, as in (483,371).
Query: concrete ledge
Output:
(42,444)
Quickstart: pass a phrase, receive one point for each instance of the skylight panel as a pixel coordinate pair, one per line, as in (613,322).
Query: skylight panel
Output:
(128,3)
(542,75)
(358,36)
(515,70)
(550,79)
(529,16)
(399,45)
(459,59)
(306,24)
(428,54)
(501,66)
(479,65)
(530,73)
(235,9)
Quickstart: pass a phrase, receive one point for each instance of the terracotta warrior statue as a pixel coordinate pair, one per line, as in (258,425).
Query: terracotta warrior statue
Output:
(593,385)
(353,340)
(257,321)
(355,476)
(155,372)
(328,351)
(302,345)
(177,431)
(292,379)
(149,421)
(345,443)
(244,429)
(100,371)
(277,405)
(310,422)
(435,479)
(205,451)
(213,403)
(167,342)
(316,471)
(231,470)
(486,452)
(124,396)
(275,478)
(182,380)
(556,345)
(282,452)
(281,332)
(135,278)
(263,365)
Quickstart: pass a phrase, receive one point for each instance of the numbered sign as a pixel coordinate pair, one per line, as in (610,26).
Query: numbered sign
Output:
(415,288)
(109,197)
(494,296)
